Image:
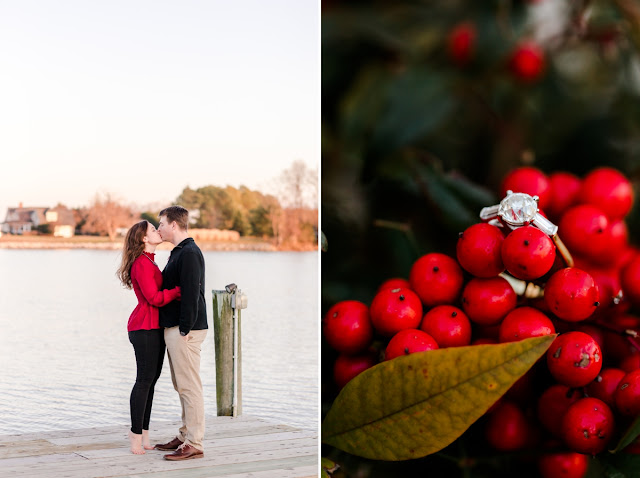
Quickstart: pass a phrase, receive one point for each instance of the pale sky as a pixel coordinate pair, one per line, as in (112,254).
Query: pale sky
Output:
(141,98)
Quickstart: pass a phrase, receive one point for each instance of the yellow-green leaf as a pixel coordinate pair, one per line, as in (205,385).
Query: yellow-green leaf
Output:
(328,467)
(417,404)
(631,434)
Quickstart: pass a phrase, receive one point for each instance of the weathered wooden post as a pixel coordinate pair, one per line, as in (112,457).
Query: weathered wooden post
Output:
(227,337)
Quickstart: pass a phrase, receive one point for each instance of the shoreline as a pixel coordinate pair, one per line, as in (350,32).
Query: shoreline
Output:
(83,242)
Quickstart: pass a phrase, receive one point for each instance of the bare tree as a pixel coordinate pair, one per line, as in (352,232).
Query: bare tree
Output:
(105,215)
(299,186)
(296,224)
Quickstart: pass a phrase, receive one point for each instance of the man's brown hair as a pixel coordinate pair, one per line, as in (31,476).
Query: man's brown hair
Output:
(178,214)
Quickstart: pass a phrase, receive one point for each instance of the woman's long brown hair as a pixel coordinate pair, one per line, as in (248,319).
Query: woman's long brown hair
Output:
(133,247)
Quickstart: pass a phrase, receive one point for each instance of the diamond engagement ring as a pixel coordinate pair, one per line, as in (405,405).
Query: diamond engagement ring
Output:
(520,209)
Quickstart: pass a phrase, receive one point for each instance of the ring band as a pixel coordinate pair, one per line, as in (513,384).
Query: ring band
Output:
(520,209)
(562,249)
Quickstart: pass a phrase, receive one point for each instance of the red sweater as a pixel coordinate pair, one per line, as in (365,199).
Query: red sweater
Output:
(146,279)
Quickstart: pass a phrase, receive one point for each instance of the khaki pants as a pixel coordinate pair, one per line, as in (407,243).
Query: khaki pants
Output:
(184,359)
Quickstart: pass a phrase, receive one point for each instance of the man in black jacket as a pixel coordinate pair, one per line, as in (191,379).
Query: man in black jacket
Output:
(185,323)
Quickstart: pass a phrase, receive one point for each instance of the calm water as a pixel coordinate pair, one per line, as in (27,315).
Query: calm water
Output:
(66,361)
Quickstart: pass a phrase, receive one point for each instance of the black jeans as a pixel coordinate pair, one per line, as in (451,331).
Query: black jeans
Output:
(149,347)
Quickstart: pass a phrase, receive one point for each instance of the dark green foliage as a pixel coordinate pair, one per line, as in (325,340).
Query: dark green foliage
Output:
(150,217)
(260,221)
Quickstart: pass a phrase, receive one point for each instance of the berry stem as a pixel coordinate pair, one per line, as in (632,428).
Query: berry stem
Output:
(633,342)
(620,330)
(630,334)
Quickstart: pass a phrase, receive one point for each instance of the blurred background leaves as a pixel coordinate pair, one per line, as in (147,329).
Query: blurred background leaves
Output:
(418,132)
(415,141)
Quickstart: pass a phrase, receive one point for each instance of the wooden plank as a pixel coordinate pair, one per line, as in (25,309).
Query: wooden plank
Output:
(82,444)
(216,444)
(212,432)
(45,447)
(240,470)
(293,472)
(234,447)
(27,461)
(154,463)
(219,451)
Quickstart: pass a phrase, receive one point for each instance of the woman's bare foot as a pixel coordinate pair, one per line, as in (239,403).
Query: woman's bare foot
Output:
(146,444)
(136,443)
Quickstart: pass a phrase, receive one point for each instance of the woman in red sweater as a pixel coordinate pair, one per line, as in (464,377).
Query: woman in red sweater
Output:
(138,271)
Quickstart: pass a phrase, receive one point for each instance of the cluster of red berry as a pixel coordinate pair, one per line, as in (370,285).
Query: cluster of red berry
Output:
(526,62)
(591,378)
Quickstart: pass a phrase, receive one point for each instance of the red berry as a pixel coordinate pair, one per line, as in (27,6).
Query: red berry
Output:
(574,359)
(395,283)
(609,288)
(630,362)
(448,325)
(596,333)
(605,385)
(616,344)
(507,427)
(461,43)
(627,395)
(563,465)
(608,189)
(583,229)
(564,189)
(347,327)
(626,256)
(523,323)
(630,280)
(527,62)
(528,253)
(528,180)
(436,278)
(393,310)
(347,367)
(617,236)
(588,426)
(409,341)
(553,404)
(479,250)
(571,294)
(487,301)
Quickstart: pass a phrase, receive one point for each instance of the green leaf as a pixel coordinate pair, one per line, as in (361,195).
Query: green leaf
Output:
(418,102)
(415,405)
(623,465)
(328,466)
(450,205)
(471,193)
(631,434)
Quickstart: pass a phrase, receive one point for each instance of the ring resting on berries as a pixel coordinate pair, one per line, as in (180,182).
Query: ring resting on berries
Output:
(520,209)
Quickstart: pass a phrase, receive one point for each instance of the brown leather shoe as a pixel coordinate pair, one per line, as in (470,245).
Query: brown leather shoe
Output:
(172,445)
(186,452)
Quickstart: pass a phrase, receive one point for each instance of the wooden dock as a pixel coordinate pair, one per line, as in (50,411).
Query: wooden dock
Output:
(238,447)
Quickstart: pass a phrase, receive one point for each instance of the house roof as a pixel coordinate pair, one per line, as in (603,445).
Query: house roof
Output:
(24,215)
